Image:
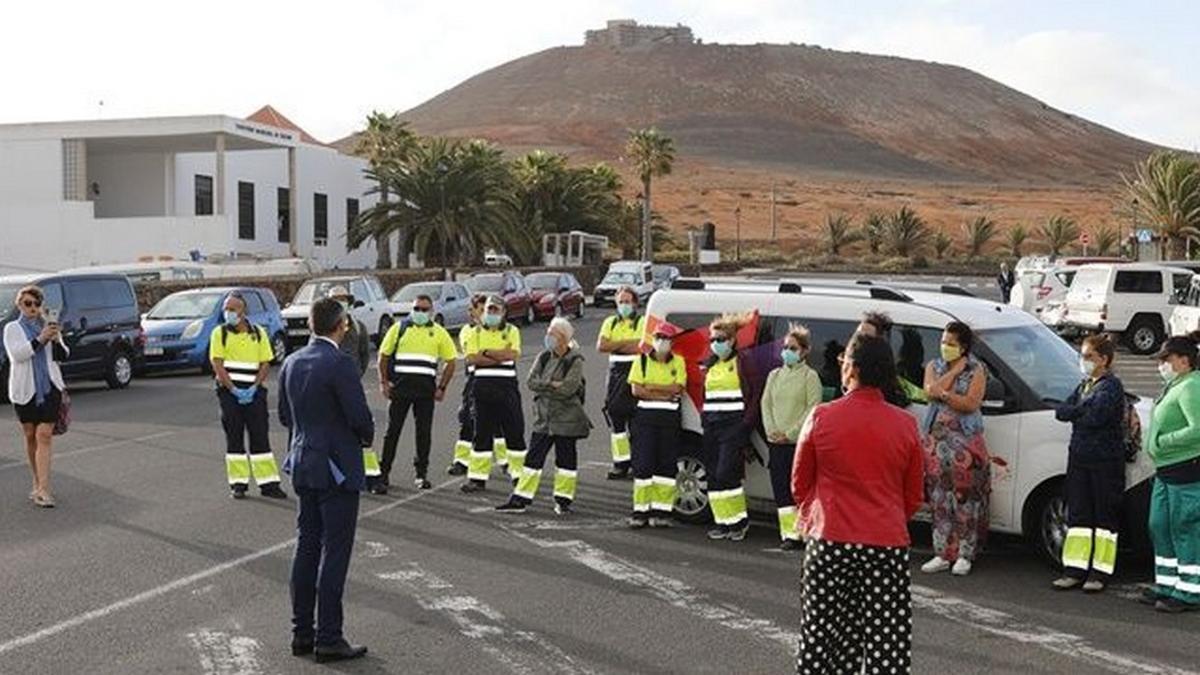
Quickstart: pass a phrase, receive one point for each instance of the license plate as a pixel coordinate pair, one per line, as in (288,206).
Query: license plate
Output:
(154,351)
(297,331)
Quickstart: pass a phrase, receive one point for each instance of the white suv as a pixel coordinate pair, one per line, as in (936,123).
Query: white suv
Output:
(371,306)
(1132,300)
(1029,369)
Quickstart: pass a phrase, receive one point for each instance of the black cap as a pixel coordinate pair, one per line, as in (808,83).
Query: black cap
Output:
(1178,345)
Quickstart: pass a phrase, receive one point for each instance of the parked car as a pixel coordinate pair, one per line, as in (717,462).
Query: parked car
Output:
(493,259)
(555,294)
(371,306)
(1029,370)
(1133,301)
(100,324)
(1185,317)
(509,285)
(635,274)
(179,326)
(451,302)
(664,275)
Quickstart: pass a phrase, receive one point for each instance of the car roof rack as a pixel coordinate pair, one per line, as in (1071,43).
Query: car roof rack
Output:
(792,287)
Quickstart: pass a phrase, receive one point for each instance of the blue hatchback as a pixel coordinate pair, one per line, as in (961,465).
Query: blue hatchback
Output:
(178,328)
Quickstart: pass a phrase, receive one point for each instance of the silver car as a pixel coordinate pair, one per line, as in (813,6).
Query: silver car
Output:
(451,302)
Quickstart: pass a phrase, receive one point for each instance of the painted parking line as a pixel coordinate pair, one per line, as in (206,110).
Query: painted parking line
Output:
(223,654)
(184,582)
(96,448)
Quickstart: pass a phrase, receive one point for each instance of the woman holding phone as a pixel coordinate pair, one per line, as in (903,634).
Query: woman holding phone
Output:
(35,384)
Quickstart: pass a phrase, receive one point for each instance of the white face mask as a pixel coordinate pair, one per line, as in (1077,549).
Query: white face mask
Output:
(1088,368)
(662,346)
(1166,372)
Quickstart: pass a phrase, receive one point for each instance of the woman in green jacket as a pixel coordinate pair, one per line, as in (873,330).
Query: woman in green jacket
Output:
(791,392)
(1174,446)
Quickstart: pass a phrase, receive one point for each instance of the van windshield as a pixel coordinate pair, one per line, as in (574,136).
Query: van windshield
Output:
(312,291)
(620,279)
(1040,358)
(410,292)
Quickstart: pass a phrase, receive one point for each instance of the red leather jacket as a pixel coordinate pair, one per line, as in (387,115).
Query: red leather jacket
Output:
(858,473)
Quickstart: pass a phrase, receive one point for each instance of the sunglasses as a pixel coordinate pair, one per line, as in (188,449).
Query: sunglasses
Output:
(31,303)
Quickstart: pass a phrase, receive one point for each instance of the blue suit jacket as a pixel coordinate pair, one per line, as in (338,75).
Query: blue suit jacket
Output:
(322,403)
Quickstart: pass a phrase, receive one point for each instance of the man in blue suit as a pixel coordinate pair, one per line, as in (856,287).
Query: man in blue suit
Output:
(322,403)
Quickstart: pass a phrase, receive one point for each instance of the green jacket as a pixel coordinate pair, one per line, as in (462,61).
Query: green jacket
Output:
(1174,435)
(558,411)
(788,397)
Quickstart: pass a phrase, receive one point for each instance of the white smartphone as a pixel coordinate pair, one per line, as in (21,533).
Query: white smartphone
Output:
(51,314)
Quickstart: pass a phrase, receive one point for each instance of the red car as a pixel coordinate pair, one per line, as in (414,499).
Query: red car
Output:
(555,294)
(510,286)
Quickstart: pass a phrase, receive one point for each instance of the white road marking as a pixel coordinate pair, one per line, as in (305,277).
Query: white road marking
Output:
(224,654)
(668,589)
(184,582)
(567,524)
(376,549)
(520,651)
(97,448)
(1006,625)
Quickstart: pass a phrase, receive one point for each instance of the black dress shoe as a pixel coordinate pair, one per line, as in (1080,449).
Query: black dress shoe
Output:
(473,486)
(273,491)
(619,473)
(341,651)
(302,648)
(456,470)
(378,488)
(238,492)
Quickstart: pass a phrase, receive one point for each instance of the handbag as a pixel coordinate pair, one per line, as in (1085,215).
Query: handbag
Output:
(63,423)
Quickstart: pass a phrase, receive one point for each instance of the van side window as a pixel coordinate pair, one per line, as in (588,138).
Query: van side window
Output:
(99,294)
(914,348)
(54,295)
(828,339)
(1129,281)
(1180,283)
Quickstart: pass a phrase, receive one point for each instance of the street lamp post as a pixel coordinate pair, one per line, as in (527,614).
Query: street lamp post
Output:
(737,248)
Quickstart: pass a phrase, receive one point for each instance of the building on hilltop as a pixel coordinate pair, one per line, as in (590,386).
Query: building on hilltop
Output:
(627,33)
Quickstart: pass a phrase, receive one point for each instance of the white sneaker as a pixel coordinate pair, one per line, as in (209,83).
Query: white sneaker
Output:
(936,565)
(962,567)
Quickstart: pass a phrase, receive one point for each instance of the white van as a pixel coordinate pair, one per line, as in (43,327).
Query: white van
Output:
(1029,368)
(1185,317)
(633,273)
(1132,300)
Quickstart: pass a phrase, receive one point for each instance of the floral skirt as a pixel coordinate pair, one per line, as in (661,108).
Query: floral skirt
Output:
(958,484)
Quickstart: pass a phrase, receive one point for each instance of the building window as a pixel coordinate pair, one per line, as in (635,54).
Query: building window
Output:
(245,210)
(320,219)
(351,213)
(204,195)
(284,215)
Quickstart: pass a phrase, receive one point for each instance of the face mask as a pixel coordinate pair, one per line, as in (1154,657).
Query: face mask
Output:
(491,320)
(662,346)
(419,318)
(345,305)
(721,348)
(790,358)
(550,342)
(625,310)
(232,318)
(1088,368)
(1166,372)
(951,353)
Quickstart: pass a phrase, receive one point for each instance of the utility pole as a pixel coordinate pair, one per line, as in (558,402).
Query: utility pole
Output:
(737,218)
(774,229)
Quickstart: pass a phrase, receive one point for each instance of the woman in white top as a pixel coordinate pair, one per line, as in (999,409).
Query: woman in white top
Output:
(35,385)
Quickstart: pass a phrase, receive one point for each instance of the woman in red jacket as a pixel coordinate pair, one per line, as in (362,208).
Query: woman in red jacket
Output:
(857,479)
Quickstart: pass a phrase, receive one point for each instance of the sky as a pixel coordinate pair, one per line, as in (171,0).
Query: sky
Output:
(1132,66)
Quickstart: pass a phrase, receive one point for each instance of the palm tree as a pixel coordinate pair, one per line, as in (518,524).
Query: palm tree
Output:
(906,233)
(385,143)
(873,231)
(979,232)
(653,155)
(839,233)
(1015,240)
(1166,190)
(1059,232)
(1106,237)
(554,197)
(941,244)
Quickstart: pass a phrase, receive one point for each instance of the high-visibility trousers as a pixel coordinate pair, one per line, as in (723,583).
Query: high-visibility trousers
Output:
(780,465)
(1175,533)
(1094,492)
(726,438)
(566,462)
(655,456)
(498,413)
(239,421)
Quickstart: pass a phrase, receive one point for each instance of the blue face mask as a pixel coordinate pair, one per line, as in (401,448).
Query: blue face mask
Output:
(232,318)
(625,310)
(419,318)
(790,358)
(551,342)
(722,348)
(492,320)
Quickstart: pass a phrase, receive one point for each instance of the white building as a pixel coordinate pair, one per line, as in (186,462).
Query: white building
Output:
(113,191)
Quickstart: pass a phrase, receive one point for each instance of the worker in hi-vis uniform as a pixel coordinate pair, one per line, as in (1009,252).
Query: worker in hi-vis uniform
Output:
(621,338)
(357,345)
(659,382)
(466,409)
(410,356)
(494,350)
(241,356)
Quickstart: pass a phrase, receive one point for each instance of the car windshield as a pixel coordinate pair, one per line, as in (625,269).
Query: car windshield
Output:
(186,306)
(542,282)
(486,283)
(1040,358)
(410,292)
(315,290)
(620,279)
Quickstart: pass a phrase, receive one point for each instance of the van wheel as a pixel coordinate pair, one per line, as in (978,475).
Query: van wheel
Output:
(691,483)
(279,348)
(1045,526)
(120,370)
(1144,335)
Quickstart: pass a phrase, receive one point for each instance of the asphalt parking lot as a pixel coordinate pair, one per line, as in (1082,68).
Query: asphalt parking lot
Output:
(147,566)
